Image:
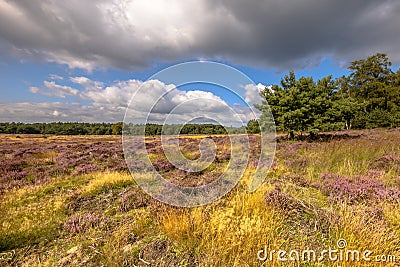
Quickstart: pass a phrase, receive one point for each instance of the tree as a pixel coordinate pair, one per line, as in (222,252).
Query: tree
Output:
(346,110)
(369,80)
(253,127)
(117,128)
(373,83)
(299,105)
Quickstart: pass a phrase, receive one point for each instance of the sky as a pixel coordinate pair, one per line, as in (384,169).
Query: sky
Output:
(98,60)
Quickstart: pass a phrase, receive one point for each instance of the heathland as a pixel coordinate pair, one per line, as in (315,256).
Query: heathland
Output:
(71,201)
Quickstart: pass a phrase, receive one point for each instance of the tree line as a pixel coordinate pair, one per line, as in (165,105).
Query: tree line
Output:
(61,128)
(174,129)
(78,128)
(369,97)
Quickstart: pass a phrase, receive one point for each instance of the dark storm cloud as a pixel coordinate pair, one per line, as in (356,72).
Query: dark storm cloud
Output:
(284,34)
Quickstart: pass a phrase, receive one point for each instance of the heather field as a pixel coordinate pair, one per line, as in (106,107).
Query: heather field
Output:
(71,201)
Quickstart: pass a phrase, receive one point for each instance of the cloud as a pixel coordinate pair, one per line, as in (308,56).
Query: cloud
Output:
(34,90)
(56,113)
(55,77)
(134,34)
(34,112)
(252,94)
(54,90)
(60,90)
(109,103)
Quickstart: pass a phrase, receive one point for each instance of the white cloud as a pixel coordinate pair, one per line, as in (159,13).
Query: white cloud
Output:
(55,77)
(56,113)
(45,112)
(80,80)
(34,90)
(51,89)
(60,90)
(109,103)
(253,92)
(113,96)
(87,83)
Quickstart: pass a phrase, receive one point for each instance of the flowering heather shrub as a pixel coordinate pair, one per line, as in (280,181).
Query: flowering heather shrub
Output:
(77,203)
(104,153)
(35,162)
(375,173)
(12,173)
(255,162)
(297,163)
(296,179)
(42,172)
(119,166)
(136,165)
(9,183)
(291,149)
(163,165)
(83,222)
(397,181)
(21,152)
(223,156)
(277,198)
(387,162)
(18,175)
(187,144)
(375,213)
(85,168)
(154,147)
(356,190)
(290,154)
(134,199)
(255,141)
(283,201)
(302,216)
(12,165)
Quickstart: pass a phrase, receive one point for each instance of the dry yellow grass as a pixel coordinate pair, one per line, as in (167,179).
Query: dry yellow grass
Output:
(100,181)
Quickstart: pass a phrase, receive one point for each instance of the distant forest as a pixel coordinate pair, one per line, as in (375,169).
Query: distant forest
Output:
(60,128)
(77,128)
(369,97)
